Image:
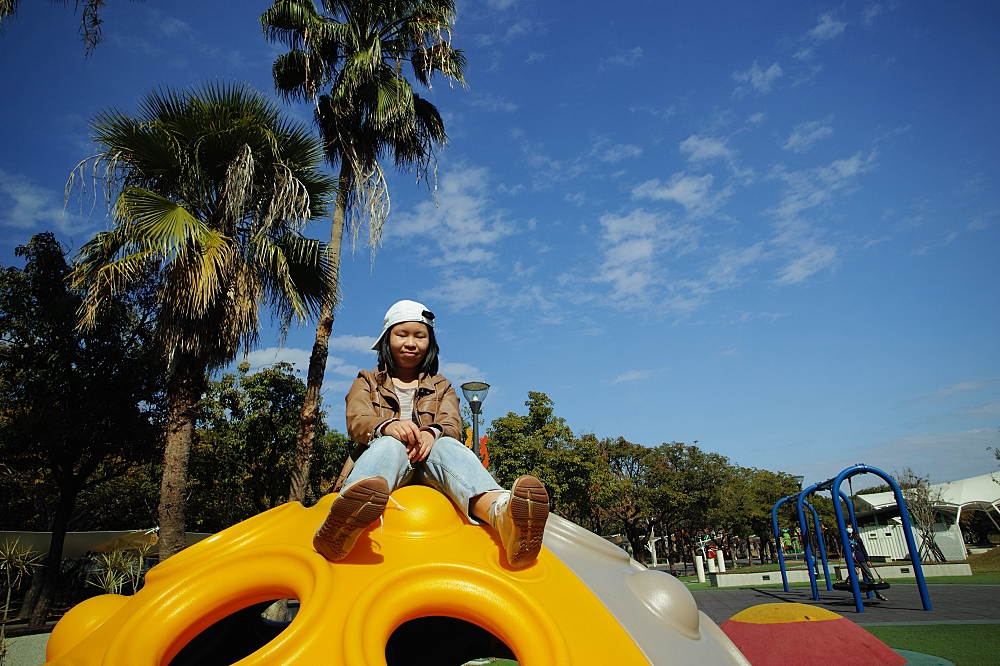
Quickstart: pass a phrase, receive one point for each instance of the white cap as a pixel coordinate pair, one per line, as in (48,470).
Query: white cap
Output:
(405,311)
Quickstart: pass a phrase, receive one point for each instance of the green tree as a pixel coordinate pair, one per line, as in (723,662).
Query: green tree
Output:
(689,485)
(77,408)
(527,444)
(211,188)
(626,492)
(347,60)
(246,445)
(765,489)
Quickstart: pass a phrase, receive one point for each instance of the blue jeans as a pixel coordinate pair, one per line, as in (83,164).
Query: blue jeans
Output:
(450,468)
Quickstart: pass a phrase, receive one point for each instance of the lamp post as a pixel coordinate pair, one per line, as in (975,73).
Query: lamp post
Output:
(475,393)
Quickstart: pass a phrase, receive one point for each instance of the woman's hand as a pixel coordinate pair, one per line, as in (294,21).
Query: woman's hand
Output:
(418,442)
(419,452)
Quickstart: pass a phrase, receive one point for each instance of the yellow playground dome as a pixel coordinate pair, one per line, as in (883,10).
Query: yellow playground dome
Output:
(583,602)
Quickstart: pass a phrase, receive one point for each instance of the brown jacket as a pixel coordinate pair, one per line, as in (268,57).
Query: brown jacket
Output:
(372,400)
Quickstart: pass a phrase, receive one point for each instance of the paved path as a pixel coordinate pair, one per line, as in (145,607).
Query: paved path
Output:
(952,604)
(27,650)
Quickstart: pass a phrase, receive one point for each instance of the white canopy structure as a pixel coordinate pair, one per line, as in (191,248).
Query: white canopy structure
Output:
(977,493)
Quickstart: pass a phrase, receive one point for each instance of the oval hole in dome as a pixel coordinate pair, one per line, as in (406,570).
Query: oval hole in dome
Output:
(238,635)
(444,641)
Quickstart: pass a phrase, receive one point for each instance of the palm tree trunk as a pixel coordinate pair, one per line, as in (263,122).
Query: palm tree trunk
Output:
(184,389)
(320,353)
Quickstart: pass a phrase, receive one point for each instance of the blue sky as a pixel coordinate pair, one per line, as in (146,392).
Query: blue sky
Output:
(771,228)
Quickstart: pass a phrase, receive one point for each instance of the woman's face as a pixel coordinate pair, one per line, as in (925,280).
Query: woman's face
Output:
(408,343)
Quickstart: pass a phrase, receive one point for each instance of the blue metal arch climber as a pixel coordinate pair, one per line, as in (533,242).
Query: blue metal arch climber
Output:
(803,526)
(834,486)
(819,535)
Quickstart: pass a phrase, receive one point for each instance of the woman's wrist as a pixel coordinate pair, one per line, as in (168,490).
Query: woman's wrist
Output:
(434,430)
(380,428)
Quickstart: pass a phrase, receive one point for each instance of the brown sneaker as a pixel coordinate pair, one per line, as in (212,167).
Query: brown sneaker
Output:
(520,518)
(357,507)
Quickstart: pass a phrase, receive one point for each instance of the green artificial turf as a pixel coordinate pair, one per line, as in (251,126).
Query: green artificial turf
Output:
(961,644)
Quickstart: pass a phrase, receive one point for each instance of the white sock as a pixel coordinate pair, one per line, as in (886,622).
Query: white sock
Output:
(497,506)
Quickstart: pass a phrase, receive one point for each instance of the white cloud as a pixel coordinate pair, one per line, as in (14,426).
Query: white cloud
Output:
(945,456)
(870,13)
(704,148)
(805,135)
(631,244)
(826,28)
(462,223)
(358,344)
(534,56)
(954,390)
(615,152)
(630,376)
(299,358)
(757,118)
(730,263)
(798,238)
(983,410)
(759,79)
(33,207)
(492,103)
(463,292)
(625,58)
(691,192)
(811,187)
(812,258)
(459,373)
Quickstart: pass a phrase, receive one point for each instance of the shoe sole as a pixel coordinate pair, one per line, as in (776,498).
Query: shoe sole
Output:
(529,509)
(353,511)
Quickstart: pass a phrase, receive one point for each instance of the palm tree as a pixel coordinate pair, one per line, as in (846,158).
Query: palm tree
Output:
(348,61)
(211,188)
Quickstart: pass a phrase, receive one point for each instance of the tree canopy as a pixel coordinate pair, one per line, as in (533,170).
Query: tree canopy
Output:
(77,408)
(616,487)
(210,191)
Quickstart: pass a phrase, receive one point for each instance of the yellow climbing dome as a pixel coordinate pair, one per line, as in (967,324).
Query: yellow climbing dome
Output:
(583,602)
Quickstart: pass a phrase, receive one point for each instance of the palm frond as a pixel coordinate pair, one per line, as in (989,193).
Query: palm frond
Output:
(199,177)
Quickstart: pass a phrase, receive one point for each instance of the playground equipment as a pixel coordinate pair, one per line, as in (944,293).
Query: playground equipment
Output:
(911,545)
(854,585)
(584,601)
(807,544)
(801,635)
(810,562)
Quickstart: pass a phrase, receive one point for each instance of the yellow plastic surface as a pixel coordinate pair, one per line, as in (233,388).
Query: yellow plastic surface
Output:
(426,560)
(783,613)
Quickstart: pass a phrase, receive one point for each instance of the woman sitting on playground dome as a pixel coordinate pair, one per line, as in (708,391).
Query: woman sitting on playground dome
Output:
(405,418)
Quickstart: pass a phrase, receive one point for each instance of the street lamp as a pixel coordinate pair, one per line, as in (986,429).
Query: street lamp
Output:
(475,393)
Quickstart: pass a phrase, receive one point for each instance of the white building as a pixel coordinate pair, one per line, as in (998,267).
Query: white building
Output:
(978,493)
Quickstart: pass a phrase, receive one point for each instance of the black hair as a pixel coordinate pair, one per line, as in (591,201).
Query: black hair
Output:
(429,365)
